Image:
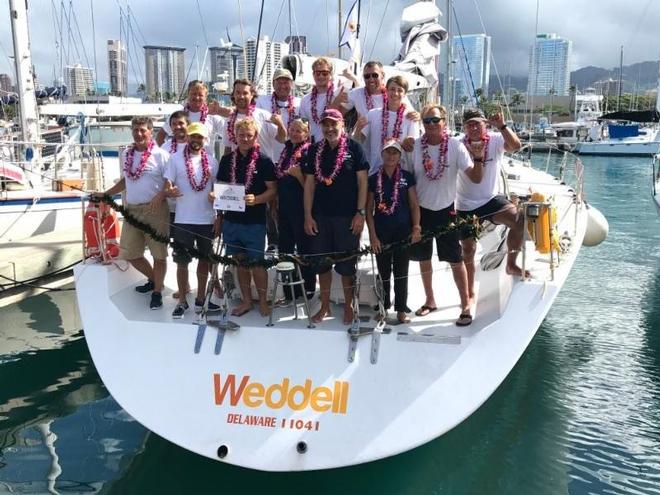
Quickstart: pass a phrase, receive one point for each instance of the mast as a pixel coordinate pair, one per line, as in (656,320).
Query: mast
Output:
(449,100)
(339,26)
(24,71)
(618,98)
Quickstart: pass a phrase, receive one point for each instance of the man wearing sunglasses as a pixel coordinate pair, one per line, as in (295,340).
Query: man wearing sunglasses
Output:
(437,158)
(324,95)
(482,199)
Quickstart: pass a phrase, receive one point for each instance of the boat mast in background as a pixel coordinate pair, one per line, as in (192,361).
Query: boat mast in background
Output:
(24,72)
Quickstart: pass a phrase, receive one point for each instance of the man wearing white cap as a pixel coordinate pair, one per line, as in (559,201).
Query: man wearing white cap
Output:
(189,179)
(281,102)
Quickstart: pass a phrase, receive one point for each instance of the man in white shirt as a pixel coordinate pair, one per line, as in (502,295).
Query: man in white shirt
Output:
(324,95)
(271,127)
(281,102)
(197,110)
(482,199)
(437,160)
(189,178)
(143,169)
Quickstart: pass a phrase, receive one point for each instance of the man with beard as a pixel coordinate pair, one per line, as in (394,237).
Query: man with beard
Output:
(189,179)
(270,128)
(335,198)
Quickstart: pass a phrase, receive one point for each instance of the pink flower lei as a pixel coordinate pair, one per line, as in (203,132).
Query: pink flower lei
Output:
(128,163)
(232,122)
(173,145)
(382,204)
(288,160)
(429,168)
(206,170)
(289,106)
(315,95)
(369,101)
(398,123)
(485,138)
(339,161)
(249,171)
(203,111)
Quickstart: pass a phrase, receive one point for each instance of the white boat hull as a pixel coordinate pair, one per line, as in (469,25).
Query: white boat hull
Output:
(620,147)
(428,376)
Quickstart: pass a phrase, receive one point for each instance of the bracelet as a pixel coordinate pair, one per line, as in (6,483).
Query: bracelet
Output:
(503,127)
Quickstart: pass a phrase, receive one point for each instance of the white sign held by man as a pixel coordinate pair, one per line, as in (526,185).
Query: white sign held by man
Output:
(229,197)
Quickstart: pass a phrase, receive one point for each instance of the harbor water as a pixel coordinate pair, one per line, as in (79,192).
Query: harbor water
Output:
(578,414)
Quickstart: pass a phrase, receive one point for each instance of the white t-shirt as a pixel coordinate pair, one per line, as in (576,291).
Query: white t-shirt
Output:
(438,194)
(306,110)
(357,99)
(373,133)
(151,181)
(470,195)
(267,131)
(192,206)
(214,123)
(266,103)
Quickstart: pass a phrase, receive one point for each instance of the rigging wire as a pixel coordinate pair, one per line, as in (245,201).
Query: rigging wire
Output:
(366,28)
(466,65)
(382,19)
(240,20)
(96,69)
(263,66)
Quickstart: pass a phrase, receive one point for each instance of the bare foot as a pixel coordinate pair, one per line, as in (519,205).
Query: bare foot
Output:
(348,315)
(516,271)
(321,315)
(264,309)
(241,309)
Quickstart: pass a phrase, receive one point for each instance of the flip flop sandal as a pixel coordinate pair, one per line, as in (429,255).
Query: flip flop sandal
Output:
(424,310)
(464,320)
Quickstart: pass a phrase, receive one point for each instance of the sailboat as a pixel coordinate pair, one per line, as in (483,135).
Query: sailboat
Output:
(290,395)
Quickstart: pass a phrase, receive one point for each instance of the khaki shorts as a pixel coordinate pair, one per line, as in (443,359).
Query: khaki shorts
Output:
(133,241)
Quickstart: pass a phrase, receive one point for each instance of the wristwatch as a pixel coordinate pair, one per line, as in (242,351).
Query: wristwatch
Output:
(504,126)
(362,211)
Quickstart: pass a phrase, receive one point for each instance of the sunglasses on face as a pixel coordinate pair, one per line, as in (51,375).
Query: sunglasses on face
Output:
(373,75)
(432,120)
(322,72)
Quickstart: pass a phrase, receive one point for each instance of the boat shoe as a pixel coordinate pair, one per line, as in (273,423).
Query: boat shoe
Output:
(179,310)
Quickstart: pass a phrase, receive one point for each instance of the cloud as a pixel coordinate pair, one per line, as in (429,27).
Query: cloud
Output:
(596,32)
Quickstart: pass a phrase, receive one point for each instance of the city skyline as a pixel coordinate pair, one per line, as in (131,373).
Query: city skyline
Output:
(549,65)
(583,24)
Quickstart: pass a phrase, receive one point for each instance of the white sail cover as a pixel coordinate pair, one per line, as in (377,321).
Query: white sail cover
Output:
(421,34)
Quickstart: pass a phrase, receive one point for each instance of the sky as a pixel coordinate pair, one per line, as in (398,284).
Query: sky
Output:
(597,28)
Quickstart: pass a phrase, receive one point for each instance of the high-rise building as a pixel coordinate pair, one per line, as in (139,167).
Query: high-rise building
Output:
(5,82)
(549,65)
(261,65)
(165,71)
(117,67)
(472,69)
(227,63)
(79,80)
(297,44)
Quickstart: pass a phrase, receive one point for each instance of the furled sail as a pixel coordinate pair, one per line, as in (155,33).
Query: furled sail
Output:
(421,35)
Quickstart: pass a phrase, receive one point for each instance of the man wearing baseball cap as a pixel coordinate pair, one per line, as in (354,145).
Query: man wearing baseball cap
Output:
(335,198)
(483,198)
(189,179)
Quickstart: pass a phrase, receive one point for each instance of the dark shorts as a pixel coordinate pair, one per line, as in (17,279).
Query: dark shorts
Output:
(191,236)
(248,239)
(486,211)
(335,236)
(447,245)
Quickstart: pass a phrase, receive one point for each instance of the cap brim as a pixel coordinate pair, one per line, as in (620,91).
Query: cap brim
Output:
(478,119)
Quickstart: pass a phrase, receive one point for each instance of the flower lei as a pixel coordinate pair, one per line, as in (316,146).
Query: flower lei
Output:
(442,157)
(232,122)
(315,95)
(249,171)
(289,106)
(173,145)
(398,123)
(339,161)
(369,101)
(203,111)
(485,138)
(287,161)
(382,204)
(128,163)
(206,170)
